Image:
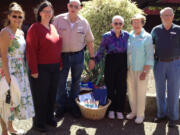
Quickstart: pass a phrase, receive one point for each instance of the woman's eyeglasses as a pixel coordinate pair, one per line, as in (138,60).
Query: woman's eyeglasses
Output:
(116,24)
(47,11)
(15,17)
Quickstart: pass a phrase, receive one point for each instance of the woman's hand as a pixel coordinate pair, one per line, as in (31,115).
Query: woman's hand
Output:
(61,68)
(8,79)
(143,75)
(35,75)
(145,72)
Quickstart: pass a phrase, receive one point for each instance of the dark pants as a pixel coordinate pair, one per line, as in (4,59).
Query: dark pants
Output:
(116,80)
(66,98)
(44,90)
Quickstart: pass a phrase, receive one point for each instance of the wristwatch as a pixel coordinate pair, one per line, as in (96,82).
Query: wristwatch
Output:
(92,58)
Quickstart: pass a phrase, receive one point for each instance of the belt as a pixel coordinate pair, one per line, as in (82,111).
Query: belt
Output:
(168,60)
(72,53)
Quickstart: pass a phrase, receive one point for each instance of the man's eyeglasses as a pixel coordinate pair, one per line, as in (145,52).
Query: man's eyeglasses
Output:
(15,17)
(170,15)
(73,6)
(116,24)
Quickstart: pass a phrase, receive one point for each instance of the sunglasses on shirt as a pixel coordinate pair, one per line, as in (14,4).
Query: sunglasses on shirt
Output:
(73,6)
(116,24)
(15,17)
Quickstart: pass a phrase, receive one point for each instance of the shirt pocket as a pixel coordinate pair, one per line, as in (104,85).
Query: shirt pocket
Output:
(80,34)
(62,32)
(139,46)
(175,40)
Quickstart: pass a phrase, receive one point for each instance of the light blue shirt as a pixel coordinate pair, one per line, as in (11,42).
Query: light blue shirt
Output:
(140,51)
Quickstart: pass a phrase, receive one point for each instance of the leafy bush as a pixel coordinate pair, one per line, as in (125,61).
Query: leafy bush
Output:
(99,14)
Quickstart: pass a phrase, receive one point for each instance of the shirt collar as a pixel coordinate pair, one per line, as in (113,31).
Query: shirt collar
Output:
(113,33)
(142,34)
(172,26)
(66,17)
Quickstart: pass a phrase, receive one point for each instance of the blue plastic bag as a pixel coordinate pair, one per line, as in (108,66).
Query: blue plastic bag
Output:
(100,94)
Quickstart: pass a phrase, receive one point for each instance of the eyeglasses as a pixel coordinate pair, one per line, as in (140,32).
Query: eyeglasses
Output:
(170,15)
(15,17)
(47,11)
(116,24)
(73,6)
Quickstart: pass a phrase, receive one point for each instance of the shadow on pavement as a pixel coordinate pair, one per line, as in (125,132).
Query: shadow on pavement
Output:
(102,127)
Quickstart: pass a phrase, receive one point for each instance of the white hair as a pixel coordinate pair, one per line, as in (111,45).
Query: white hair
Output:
(119,18)
(78,1)
(165,9)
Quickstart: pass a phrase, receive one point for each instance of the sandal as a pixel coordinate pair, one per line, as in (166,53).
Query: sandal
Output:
(18,132)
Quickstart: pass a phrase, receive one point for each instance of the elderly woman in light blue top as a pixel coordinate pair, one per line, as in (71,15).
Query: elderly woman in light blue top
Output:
(140,60)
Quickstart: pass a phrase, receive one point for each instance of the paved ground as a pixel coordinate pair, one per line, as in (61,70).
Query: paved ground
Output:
(70,126)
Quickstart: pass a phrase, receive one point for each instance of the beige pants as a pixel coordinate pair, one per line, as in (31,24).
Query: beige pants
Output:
(137,92)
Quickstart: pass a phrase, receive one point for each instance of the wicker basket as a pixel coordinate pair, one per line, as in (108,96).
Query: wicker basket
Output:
(93,114)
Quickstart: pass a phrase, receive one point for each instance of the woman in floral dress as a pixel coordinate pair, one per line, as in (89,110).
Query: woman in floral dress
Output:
(12,46)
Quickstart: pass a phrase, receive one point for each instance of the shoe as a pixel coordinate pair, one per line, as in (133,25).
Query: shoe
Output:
(52,123)
(76,112)
(172,124)
(119,115)
(139,120)
(130,116)
(59,114)
(40,128)
(4,132)
(158,120)
(111,115)
(18,132)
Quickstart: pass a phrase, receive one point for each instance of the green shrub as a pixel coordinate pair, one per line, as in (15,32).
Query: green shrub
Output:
(99,14)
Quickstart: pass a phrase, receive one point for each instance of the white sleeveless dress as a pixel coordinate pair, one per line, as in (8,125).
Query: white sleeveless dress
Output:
(17,68)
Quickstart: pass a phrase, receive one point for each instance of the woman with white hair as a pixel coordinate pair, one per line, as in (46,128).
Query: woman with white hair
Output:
(140,59)
(114,43)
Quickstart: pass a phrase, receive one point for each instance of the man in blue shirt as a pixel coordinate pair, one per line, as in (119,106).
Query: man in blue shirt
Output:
(166,38)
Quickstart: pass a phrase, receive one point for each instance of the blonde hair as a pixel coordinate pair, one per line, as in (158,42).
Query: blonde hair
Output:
(14,7)
(139,16)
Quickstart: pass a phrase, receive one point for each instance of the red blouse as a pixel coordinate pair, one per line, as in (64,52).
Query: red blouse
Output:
(43,46)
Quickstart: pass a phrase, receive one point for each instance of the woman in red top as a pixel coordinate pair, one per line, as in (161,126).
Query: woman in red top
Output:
(44,61)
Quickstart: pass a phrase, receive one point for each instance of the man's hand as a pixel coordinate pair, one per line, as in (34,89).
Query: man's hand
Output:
(91,64)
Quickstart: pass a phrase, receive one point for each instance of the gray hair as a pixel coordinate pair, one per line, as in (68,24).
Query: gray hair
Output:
(139,16)
(77,1)
(119,18)
(166,8)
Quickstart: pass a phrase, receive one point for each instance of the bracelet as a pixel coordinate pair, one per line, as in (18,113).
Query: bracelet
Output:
(145,71)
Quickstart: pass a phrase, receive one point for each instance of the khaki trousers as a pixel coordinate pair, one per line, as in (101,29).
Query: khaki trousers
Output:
(137,92)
